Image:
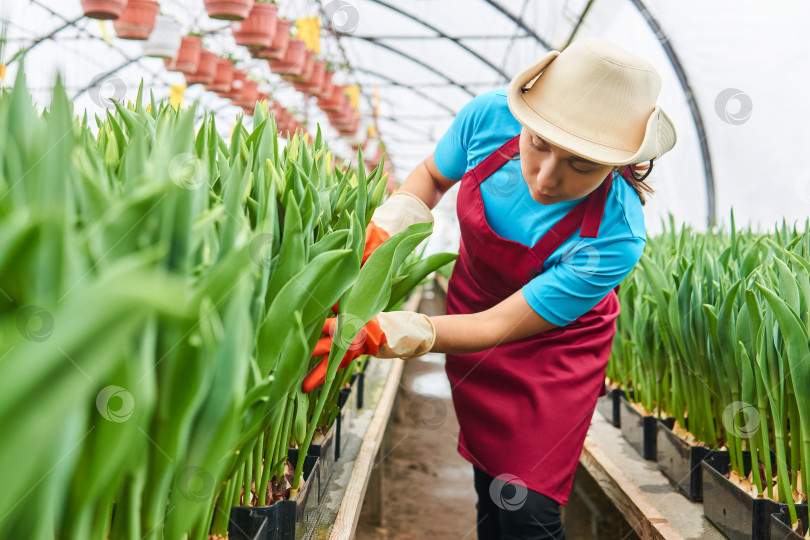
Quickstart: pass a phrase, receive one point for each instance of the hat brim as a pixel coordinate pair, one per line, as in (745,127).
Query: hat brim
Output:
(659,135)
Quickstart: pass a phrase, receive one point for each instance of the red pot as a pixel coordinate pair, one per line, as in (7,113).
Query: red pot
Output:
(326,88)
(293,60)
(350,128)
(103,9)
(278,48)
(306,69)
(249,94)
(187,57)
(235,91)
(229,10)
(206,69)
(316,79)
(223,76)
(259,29)
(137,20)
(333,102)
(343,115)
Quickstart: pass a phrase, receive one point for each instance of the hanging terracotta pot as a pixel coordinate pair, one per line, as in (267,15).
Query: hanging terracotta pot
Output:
(333,102)
(188,55)
(223,76)
(259,28)
(306,69)
(235,91)
(249,94)
(350,128)
(137,19)
(278,47)
(316,79)
(326,88)
(293,59)
(164,41)
(206,69)
(103,9)
(343,115)
(229,10)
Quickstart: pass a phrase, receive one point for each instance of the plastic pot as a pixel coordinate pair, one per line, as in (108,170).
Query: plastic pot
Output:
(641,431)
(609,407)
(293,59)
(137,20)
(103,9)
(780,523)
(284,520)
(164,41)
(680,461)
(738,515)
(278,48)
(223,76)
(326,454)
(206,69)
(228,10)
(345,419)
(259,28)
(358,387)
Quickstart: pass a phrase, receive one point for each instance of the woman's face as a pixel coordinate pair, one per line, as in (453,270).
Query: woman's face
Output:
(555,175)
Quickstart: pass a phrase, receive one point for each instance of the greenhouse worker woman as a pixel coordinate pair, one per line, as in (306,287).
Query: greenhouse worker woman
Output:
(551,221)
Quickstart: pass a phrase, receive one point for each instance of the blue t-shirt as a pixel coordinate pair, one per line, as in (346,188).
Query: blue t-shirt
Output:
(582,271)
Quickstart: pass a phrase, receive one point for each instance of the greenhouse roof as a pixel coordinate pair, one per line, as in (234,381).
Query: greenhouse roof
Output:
(734,78)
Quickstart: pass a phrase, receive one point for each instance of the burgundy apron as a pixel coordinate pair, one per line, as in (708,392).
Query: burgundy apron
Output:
(524,407)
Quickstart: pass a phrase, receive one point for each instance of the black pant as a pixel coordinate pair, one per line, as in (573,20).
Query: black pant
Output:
(508,510)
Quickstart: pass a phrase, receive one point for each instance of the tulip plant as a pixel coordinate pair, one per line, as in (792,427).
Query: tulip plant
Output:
(714,332)
(162,291)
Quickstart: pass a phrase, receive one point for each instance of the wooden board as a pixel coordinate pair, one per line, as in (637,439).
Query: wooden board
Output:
(645,518)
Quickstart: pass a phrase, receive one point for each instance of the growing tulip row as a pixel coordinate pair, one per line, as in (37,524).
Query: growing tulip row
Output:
(714,331)
(162,292)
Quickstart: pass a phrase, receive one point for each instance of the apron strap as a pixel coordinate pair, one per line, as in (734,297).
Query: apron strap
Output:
(596,209)
(496,160)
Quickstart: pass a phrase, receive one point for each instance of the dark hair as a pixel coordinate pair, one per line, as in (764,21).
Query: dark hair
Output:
(637,181)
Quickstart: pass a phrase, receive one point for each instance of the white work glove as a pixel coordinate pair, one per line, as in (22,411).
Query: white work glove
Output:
(408,334)
(394,215)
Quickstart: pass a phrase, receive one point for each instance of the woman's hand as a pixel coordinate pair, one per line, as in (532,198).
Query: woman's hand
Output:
(510,320)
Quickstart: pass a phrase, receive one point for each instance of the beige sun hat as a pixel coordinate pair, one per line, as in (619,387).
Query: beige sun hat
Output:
(595,100)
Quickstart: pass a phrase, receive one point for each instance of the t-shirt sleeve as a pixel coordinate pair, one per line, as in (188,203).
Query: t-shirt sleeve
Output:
(585,274)
(450,154)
